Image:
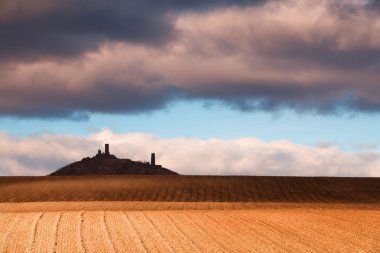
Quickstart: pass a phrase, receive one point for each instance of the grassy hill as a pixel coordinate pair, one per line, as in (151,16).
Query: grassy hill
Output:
(191,189)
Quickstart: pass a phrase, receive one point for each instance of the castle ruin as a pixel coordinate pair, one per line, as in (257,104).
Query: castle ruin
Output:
(108,155)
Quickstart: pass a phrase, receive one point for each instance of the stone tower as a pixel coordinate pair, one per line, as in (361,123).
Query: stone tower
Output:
(107,149)
(153,159)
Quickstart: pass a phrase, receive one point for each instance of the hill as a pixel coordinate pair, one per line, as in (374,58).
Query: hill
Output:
(191,189)
(108,164)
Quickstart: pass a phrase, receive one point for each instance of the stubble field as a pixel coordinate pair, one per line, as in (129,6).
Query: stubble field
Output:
(264,230)
(285,221)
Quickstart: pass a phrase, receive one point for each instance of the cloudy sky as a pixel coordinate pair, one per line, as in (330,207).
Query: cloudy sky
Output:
(248,87)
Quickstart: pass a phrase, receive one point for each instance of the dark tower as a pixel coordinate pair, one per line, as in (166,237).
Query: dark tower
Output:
(107,149)
(153,159)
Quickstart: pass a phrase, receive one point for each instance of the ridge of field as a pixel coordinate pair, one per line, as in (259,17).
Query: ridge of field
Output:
(68,206)
(191,189)
(264,230)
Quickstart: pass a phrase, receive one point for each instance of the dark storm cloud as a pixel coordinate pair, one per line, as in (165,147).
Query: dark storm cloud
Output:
(60,103)
(321,99)
(59,28)
(69,58)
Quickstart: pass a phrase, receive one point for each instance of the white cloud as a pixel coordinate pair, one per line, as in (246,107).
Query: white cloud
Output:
(39,155)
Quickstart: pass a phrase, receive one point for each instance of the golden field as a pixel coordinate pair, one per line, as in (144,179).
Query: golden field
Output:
(189,214)
(262,230)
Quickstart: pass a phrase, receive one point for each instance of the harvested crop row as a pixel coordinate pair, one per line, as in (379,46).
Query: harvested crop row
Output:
(195,233)
(315,230)
(69,236)
(150,237)
(95,234)
(22,234)
(122,233)
(45,235)
(9,222)
(262,230)
(219,234)
(172,232)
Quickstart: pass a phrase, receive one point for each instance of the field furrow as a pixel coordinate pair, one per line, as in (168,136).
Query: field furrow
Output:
(309,229)
(9,221)
(231,242)
(248,239)
(336,227)
(287,238)
(32,237)
(196,234)
(338,236)
(69,237)
(122,233)
(261,230)
(22,233)
(46,233)
(150,236)
(171,232)
(370,232)
(94,233)
(6,219)
(191,188)
(261,238)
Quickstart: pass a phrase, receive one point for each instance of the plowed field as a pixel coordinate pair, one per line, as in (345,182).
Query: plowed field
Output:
(189,214)
(190,189)
(264,230)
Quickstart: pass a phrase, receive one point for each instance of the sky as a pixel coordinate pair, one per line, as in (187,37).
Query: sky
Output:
(250,87)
